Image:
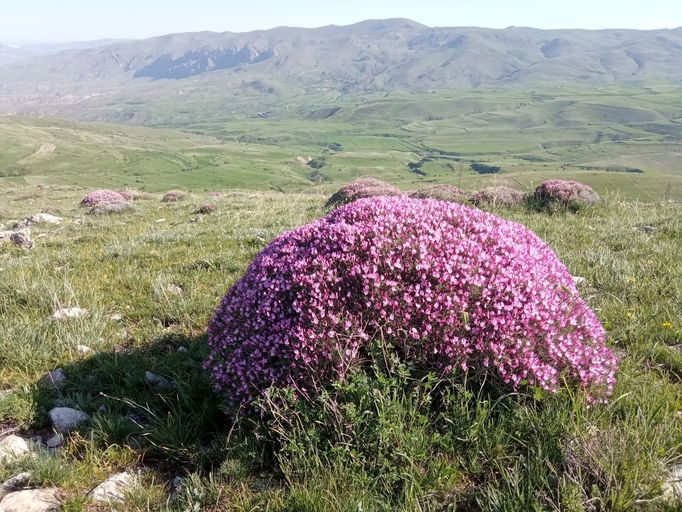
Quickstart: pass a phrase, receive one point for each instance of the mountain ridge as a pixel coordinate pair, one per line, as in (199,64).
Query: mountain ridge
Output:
(368,56)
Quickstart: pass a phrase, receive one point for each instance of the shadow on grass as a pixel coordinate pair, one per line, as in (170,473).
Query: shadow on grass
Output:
(167,427)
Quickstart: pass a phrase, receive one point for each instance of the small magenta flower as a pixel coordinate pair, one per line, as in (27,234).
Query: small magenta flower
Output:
(104,196)
(451,288)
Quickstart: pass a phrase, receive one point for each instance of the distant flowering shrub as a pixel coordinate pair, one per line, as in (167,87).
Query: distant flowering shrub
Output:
(498,195)
(134,195)
(567,193)
(127,195)
(173,195)
(449,287)
(99,197)
(442,192)
(360,188)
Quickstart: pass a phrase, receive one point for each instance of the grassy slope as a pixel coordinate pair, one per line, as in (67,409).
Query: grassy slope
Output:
(509,454)
(589,135)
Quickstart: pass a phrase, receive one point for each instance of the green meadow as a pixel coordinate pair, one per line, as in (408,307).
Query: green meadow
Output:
(150,279)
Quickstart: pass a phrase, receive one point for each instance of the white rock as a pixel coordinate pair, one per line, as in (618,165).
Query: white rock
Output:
(116,317)
(55,441)
(114,488)
(83,350)
(13,448)
(579,280)
(34,500)
(55,379)
(157,380)
(182,349)
(44,218)
(14,484)
(159,221)
(174,288)
(672,488)
(65,419)
(63,313)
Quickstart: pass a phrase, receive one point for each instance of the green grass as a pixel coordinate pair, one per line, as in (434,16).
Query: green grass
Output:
(624,140)
(384,441)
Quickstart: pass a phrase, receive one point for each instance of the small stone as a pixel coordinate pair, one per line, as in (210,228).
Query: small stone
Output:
(672,488)
(63,313)
(55,379)
(83,350)
(14,484)
(182,349)
(177,483)
(114,489)
(44,218)
(33,500)
(647,229)
(22,238)
(159,221)
(13,448)
(579,280)
(174,288)
(55,441)
(116,317)
(65,419)
(157,380)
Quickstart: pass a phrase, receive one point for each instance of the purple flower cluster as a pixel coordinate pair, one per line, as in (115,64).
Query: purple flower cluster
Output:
(566,192)
(449,287)
(99,197)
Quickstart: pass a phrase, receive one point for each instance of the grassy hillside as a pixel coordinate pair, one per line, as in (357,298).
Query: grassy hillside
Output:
(150,280)
(619,140)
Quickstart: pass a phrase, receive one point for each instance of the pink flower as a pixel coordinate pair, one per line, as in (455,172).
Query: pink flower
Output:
(449,287)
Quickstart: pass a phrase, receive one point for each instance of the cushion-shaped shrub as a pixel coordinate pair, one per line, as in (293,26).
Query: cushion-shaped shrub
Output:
(131,194)
(567,193)
(114,207)
(442,192)
(498,196)
(448,287)
(360,188)
(173,195)
(101,197)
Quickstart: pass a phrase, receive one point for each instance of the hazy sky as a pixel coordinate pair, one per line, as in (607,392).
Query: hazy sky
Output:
(75,20)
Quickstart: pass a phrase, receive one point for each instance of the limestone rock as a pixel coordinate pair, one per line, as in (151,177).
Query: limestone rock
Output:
(672,488)
(113,489)
(63,313)
(65,419)
(55,379)
(34,500)
(13,448)
(22,238)
(157,380)
(44,218)
(14,484)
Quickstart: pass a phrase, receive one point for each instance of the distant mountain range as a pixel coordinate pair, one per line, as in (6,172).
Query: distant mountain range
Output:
(10,54)
(375,55)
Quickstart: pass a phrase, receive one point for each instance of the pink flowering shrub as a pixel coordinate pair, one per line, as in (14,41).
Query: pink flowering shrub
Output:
(498,196)
(99,197)
(362,187)
(173,195)
(448,287)
(442,192)
(567,193)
